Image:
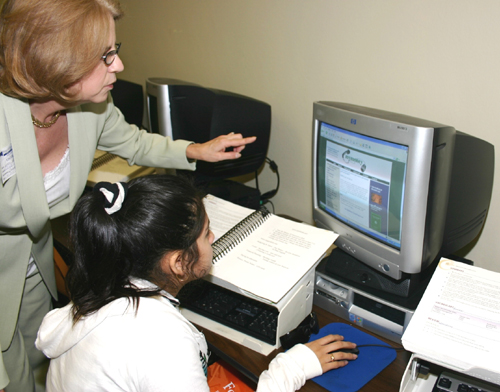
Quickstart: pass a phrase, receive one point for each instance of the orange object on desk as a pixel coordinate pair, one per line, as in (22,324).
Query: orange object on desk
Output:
(221,378)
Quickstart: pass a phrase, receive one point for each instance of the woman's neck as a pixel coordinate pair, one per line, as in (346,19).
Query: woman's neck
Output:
(44,111)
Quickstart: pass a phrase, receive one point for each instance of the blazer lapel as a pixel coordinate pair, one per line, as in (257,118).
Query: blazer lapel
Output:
(27,162)
(79,153)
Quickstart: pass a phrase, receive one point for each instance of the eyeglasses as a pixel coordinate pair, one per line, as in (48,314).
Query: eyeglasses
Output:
(109,57)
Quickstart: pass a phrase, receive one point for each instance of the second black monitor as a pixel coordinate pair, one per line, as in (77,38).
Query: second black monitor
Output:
(183,110)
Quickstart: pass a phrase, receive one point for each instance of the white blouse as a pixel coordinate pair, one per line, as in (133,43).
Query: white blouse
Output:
(56,183)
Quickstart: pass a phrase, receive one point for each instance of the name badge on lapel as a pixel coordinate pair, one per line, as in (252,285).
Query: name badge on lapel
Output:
(7,164)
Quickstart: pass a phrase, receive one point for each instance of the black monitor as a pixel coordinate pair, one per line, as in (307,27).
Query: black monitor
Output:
(129,98)
(183,110)
(401,192)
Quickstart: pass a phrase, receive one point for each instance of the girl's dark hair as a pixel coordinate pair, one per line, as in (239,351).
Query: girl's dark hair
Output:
(160,214)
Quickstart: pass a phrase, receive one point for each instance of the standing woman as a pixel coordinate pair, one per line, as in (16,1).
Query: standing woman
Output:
(58,62)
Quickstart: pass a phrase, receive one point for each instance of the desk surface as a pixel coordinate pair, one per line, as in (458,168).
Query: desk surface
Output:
(388,380)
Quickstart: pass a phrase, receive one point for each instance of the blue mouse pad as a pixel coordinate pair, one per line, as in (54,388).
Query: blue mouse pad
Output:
(370,361)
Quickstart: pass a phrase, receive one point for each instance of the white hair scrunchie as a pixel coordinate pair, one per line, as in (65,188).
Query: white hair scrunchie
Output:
(114,194)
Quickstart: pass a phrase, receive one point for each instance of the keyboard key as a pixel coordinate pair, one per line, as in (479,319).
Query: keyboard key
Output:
(449,381)
(444,382)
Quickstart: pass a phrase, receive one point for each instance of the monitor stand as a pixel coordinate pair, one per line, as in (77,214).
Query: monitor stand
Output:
(344,267)
(406,292)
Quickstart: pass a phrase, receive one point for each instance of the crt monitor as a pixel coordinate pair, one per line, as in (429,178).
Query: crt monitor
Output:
(397,190)
(184,110)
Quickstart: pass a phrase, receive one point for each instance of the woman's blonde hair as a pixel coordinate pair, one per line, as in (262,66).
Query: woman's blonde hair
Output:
(47,46)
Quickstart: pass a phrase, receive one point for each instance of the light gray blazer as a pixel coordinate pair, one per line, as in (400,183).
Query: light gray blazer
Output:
(24,212)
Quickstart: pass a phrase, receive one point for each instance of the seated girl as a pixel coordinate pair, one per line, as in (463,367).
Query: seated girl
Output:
(135,247)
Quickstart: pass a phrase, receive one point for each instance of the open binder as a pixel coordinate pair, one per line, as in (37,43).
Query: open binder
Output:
(262,255)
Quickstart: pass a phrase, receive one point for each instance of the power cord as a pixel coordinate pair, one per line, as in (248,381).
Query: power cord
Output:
(264,198)
(263,203)
(380,345)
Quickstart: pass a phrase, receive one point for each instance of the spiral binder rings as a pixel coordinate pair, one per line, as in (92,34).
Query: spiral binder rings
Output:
(238,233)
(102,160)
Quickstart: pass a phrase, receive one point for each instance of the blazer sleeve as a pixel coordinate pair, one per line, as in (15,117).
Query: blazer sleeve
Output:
(138,146)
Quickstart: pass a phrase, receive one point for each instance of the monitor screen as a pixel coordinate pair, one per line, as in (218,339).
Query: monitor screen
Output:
(361,181)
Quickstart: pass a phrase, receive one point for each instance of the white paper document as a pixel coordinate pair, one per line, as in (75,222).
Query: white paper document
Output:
(457,322)
(223,214)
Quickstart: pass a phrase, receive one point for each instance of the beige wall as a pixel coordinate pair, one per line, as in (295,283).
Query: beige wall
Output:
(435,59)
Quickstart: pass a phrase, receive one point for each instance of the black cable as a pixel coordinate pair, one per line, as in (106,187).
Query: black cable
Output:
(263,203)
(380,345)
(257,180)
(269,194)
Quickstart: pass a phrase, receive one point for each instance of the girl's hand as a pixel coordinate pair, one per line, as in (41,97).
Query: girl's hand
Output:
(324,348)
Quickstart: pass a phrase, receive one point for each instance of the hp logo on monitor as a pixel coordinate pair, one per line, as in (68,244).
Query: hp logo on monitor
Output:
(353,121)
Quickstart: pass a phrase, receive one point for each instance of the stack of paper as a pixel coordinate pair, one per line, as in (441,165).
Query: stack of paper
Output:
(457,322)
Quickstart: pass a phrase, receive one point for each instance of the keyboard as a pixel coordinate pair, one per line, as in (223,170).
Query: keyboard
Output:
(456,382)
(231,309)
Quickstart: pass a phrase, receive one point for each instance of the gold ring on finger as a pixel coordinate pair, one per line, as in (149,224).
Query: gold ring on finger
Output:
(332,357)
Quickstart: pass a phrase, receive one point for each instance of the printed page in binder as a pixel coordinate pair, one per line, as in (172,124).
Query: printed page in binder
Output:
(224,214)
(272,257)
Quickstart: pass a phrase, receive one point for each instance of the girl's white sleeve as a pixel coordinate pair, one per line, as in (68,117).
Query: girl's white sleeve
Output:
(289,371)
